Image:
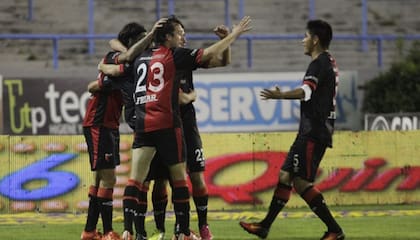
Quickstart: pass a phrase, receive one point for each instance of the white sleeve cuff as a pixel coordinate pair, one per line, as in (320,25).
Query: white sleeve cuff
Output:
(308,92)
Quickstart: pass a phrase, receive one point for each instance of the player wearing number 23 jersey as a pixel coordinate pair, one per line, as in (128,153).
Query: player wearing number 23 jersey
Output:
(156,90)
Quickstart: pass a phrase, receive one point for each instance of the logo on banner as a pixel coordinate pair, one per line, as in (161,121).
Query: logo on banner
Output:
(36,107)
(391,122)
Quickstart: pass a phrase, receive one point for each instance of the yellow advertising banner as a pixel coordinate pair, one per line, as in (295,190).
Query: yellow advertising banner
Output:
(52,173)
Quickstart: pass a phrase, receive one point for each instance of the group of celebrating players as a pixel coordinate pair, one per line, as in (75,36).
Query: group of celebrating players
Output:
(150,74)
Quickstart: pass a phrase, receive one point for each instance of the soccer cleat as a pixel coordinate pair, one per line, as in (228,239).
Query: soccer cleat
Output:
(192,236)
(92,235)
(111,235)
(182,236)
(127,235)
(158,236)
(205,233)
(141,236)
(333,236)
(255,228)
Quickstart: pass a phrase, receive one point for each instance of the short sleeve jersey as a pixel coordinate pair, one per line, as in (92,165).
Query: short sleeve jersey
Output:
(318,114)
(157,86)
(105,106)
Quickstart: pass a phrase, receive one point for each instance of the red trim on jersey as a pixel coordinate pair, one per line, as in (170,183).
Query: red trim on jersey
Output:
(94,131)
(178,133)
(311,84)
(121,68)
(199,56)
(309,158)
(100,80)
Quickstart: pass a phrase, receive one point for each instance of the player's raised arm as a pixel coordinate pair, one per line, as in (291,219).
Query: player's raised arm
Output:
(225,57)
(212,52)
(141,45)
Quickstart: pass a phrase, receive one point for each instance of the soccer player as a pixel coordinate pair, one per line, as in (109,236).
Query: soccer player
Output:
(100,127)
(317,97)
(158,123)
(195,156)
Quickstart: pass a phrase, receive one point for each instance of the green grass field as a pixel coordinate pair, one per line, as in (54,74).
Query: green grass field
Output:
(383,222)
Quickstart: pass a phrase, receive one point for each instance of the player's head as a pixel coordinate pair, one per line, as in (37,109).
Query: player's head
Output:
(171,34)
(131,33)
(318,33)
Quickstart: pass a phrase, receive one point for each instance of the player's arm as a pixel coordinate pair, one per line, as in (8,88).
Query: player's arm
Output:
(225,57)
(117,45)
(140,46)
(111,69)
(277,93)
(211,53)
(185,98)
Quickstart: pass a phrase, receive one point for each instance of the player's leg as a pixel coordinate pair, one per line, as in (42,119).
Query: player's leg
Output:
(92,142)
(303,184)
(280,197)
(201,198)
(108,158)
(135,192)
(173,153)
(160,201)
(105,201)
(90,231)
(196,167)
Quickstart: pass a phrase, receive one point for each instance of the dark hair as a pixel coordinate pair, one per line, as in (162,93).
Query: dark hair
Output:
(167,28)
(322,29)
(130,33)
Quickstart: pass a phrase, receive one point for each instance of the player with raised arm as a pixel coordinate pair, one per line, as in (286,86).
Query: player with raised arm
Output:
(195,155)
(158,122)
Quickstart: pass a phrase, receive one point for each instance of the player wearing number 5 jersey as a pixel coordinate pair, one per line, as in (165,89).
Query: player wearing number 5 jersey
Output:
(158,122)
(317,115)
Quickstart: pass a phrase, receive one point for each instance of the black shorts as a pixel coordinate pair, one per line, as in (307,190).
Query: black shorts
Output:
(103,147)
(195,156)
(157,170)
(169,143)
(303,158)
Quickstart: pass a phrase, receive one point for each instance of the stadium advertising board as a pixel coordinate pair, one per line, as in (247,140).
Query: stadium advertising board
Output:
(226,102)
(230,102)
(392,121)
(51,173)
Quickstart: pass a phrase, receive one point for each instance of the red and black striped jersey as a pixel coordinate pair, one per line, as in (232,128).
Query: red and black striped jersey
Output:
(157,86)
(104,107)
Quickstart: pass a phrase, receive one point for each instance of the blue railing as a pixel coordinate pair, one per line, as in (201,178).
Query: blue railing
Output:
(250,38)
(363,37)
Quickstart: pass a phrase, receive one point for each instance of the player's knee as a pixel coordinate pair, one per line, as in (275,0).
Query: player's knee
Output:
(284,177)
(300,184)
(197,180)
(109,181)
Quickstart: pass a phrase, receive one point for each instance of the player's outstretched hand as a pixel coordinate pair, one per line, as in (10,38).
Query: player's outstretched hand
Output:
(243,26)
(271,93)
